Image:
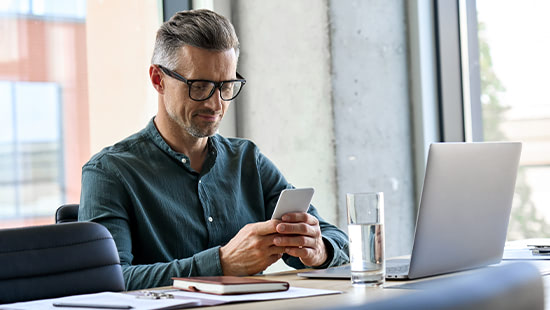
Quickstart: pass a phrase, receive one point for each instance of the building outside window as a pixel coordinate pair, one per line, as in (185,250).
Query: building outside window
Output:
(44,134)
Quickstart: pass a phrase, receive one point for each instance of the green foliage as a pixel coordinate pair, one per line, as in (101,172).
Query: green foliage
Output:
(525,220)
(491,87)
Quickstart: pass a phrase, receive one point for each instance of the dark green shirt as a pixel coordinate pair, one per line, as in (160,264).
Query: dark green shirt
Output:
(168,221)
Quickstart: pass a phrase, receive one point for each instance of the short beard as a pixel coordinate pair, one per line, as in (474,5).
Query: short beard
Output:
(201,133)
(194,130)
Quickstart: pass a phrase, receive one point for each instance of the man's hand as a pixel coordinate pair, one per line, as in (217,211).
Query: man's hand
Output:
(300,235)
(252,250)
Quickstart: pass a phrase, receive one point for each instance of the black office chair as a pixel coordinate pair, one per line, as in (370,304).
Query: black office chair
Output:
(67,213)
(508,287)
(57,260)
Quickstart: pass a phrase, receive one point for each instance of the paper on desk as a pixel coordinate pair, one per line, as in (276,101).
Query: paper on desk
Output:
(107,298)
(182,299)
(293,292)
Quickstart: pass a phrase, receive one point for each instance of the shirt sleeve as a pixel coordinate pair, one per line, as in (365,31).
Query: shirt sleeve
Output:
(336,241)
(106,201)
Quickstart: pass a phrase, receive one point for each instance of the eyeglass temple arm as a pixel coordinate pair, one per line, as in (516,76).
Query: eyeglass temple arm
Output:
(240,77)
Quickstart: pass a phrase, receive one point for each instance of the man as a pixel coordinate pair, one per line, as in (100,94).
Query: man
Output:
(181,200)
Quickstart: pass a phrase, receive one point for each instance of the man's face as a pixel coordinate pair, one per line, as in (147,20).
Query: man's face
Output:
(199,118)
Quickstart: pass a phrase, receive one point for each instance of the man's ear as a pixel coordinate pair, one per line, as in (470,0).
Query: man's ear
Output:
(156,78)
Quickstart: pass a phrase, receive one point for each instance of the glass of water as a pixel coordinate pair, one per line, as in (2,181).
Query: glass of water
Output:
(366,238)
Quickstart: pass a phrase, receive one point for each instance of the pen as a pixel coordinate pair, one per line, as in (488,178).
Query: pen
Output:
(98,306)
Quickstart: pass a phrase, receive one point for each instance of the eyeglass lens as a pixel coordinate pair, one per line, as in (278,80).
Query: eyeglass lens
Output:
(201,90)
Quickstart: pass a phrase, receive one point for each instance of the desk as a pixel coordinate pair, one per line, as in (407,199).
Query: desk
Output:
(350,296)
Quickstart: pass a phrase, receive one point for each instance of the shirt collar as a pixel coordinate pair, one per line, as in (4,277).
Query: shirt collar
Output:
(152,131)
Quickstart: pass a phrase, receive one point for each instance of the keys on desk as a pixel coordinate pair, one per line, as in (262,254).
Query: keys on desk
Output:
(155,295)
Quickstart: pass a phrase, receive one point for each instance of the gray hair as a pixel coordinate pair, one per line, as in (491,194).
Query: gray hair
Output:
(198,28)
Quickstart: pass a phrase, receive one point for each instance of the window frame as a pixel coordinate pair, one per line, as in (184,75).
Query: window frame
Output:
(459,80)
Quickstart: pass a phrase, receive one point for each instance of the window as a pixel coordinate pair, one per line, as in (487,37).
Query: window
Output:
(515,104)
(44,134)
(30,149)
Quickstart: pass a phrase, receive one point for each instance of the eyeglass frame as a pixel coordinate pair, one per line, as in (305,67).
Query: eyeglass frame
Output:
(217,85)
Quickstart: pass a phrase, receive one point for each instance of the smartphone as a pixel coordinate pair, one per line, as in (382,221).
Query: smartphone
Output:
(293,200)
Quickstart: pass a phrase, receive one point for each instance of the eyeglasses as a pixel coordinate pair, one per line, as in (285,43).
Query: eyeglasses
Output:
(200,90)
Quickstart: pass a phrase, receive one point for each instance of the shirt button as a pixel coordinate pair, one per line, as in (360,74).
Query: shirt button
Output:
(210,219)
(200,181)
(183,160)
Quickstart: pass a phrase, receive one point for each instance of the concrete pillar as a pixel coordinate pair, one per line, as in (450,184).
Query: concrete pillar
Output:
(286,106)
(372,113)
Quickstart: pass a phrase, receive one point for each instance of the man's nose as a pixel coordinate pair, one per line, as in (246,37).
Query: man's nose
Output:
(215,101)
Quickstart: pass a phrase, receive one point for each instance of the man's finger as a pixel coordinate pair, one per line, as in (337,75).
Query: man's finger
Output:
(275,250)
(300,217)
(299,252)
(264,228)
(298,228)
(294,241)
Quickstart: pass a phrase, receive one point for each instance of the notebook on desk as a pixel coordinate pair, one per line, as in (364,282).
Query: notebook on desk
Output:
(463,214)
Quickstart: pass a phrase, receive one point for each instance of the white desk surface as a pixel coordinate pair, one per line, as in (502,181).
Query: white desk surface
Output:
(351,295)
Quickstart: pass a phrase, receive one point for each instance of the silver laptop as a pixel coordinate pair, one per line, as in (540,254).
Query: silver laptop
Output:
(464,211)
